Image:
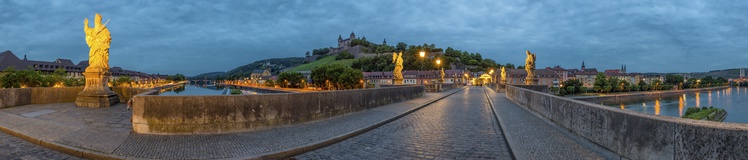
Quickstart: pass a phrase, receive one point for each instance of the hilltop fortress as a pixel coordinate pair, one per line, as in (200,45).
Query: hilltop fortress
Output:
(357,51)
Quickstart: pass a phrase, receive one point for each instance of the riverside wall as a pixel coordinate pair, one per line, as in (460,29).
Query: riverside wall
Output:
(638,135)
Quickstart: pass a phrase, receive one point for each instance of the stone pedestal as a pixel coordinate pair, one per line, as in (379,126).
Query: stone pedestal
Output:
(531,81)
(398,81)
(96,93)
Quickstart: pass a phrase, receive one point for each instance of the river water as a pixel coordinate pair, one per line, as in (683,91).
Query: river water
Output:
(202,89)
(733,100)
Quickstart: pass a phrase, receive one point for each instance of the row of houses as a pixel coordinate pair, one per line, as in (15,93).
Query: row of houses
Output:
(550,76)
(8,59)
(556,75)
(417,77)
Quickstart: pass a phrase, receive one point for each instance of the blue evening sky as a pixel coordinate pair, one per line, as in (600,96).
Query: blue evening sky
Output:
(193,37)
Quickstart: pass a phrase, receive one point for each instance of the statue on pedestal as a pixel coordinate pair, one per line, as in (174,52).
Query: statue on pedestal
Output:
(397,73)
(442,75)
(96,92)
(503,75)
(531,79)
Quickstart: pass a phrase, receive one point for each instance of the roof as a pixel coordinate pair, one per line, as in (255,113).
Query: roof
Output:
(258,71)
(522,73)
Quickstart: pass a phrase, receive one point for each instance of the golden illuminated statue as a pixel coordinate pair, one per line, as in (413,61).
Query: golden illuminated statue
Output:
(503,74)
(442,74)
(96,92)
(98,39)
(531,79)
(397,73)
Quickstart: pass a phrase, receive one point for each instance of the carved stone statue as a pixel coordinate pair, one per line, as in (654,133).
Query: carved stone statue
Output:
(503,74)
(397,73)
(442,74)
(531,79)
(98,39)
(96,92)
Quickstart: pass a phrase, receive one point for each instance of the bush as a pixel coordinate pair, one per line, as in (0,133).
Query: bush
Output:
(269,83)
(344,55)
(235,91)
(290,79)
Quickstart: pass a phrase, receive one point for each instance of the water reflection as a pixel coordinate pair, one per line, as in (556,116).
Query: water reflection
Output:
(680,105)
(657,107)
(709,98)
(736,105)
(698,100)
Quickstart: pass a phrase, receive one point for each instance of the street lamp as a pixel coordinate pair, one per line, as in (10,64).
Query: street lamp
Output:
(438,63)
(422,54)
(492,77)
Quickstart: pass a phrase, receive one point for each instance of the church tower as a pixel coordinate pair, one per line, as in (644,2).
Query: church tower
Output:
(582,66)
(385,41)
(353,35)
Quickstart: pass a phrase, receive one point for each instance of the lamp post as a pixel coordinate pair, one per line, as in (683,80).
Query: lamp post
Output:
(438,63)
(423,55)
(492,77)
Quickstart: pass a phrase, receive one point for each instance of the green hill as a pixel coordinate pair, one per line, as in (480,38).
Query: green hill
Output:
(327,60)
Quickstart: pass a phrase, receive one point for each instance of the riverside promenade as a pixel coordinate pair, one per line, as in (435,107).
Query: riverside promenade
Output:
(463,123)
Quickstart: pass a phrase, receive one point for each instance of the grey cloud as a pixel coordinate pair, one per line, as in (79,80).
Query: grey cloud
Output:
(193,37)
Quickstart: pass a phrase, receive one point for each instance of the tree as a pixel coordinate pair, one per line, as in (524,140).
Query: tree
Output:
(509,66)
(673,79)
(401,46)
(307,53)
(575,83)
(121,81)
(336,76)
(641,86)
(607,88)
(601,81)
(290,79)
(571,89)
(473,62)
(269,83)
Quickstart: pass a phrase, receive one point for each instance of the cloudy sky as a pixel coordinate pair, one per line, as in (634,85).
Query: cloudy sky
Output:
(193,37)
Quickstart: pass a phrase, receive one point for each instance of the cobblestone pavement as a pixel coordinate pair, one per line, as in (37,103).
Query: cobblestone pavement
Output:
(107,130)
(461,126)
(532,137)
(12,148)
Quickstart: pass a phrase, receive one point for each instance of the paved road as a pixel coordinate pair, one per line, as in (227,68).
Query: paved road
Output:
(15,148)
(461,126)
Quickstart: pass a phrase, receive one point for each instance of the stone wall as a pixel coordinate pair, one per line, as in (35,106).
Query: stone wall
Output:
(638,135)
(125,93)
(12,97)
(44,95)
(15,97)
(153,114)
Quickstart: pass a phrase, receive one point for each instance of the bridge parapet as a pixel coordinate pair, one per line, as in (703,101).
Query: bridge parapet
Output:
(638,135)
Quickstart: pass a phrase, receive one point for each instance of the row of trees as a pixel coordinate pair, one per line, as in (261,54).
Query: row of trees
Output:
(336,76)
(176,78)
(606,84)
(11,78)
(413,61)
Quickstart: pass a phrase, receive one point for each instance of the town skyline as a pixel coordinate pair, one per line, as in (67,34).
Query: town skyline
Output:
(167,37)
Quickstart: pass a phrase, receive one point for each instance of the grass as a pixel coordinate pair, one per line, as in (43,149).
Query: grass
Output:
(700,113)
(323,61)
